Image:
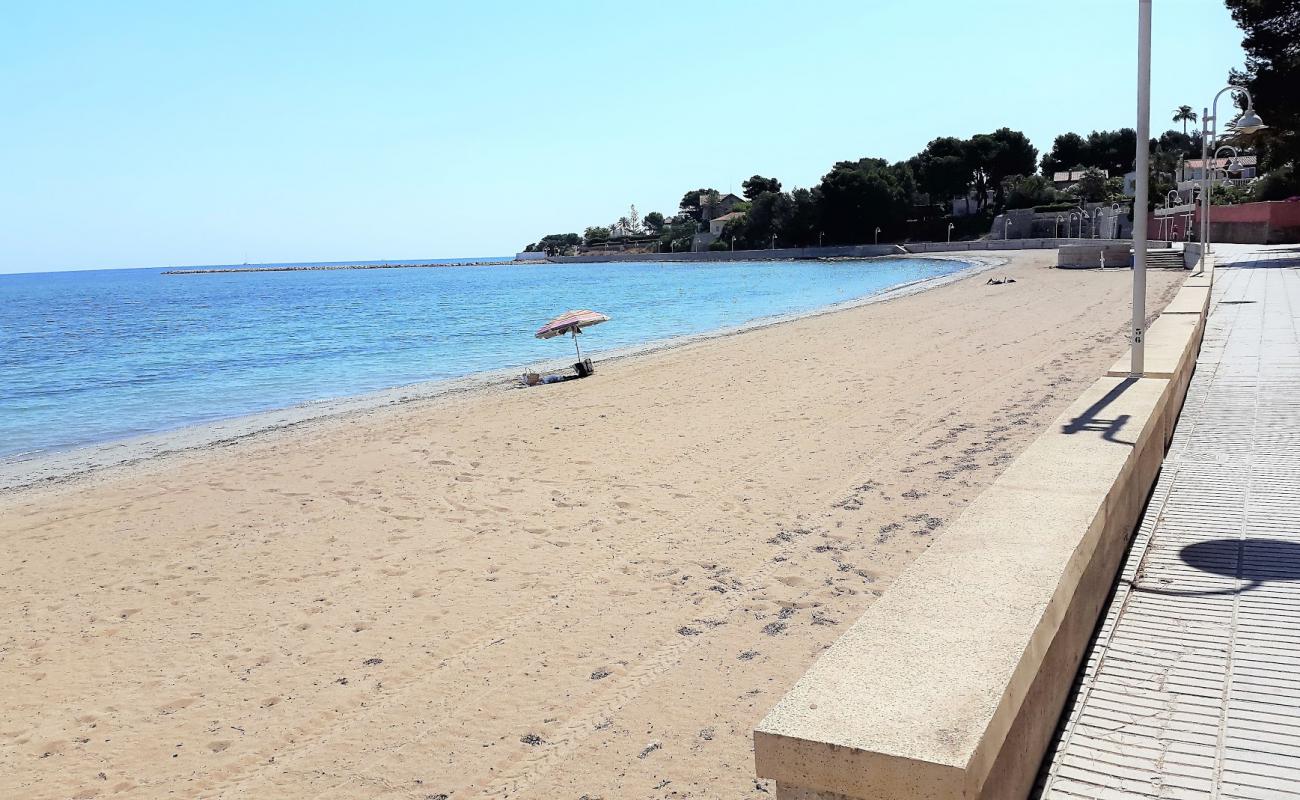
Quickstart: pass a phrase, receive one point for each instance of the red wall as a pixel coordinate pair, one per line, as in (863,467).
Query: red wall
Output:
(1275,222)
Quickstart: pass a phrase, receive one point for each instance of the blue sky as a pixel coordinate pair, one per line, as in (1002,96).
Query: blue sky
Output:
(149,134)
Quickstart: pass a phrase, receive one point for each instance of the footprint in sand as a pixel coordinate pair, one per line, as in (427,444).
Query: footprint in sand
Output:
(176,705)
(219,745)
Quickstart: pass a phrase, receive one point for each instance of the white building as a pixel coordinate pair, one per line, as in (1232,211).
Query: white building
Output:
(1193,169)
(718,223)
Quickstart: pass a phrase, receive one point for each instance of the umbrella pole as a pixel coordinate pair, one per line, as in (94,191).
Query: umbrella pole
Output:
(575,344)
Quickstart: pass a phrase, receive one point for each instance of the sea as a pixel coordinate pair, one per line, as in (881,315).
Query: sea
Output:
(88,357)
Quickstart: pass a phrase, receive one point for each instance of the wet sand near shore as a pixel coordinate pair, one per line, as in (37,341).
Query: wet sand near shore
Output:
(588,589)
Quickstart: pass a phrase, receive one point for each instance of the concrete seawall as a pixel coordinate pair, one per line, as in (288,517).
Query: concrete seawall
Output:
(781,253)
(951,685)
(846,251)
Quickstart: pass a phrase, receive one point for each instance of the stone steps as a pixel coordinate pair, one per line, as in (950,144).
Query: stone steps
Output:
(1164,259)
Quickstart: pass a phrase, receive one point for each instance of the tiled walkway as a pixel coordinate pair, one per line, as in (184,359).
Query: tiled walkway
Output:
(1192,689)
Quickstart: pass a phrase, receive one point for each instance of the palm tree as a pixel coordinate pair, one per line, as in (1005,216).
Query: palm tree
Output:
(1184,114)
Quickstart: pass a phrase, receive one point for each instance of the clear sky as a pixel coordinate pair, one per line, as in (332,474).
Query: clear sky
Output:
(168,133)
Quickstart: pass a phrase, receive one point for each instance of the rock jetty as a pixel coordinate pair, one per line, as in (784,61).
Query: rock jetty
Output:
(332,267)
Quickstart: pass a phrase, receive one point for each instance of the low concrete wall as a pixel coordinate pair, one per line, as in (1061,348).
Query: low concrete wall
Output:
(952,684)
(1202,272)
(1090,256)
(1020,244)
(845,251)
(1025,223)
(781,253)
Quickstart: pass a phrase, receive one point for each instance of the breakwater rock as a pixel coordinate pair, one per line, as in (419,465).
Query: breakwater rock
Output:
(330,267)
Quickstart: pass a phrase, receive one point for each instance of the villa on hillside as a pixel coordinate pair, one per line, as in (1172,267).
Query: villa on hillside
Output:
(1064,180)
(718,223)
(1193,169)
(965,206)
(711,208)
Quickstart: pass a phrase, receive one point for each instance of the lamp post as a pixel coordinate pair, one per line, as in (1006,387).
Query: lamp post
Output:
(1138,362)
(1006,227)
(1057,229)
(1234,165)
(1096,216)
(877,235)
(820,234)
(1208,170)
(773,242)
(950,226)
(1247,123)
(733,244)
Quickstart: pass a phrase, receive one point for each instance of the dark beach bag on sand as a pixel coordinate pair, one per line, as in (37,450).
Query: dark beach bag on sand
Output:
(584,368)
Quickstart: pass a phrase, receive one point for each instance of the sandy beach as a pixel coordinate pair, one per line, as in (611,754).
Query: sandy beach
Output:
(590,589)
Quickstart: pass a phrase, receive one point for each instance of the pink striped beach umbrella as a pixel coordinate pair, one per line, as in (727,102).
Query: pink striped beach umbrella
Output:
(571,322)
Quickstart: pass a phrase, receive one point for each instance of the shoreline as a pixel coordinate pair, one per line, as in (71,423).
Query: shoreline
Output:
(52,467)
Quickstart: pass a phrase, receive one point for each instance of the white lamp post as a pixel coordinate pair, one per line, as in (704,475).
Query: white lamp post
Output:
(1138,362)
(877,235)
(1210,171)
(950,227)
(1247,123)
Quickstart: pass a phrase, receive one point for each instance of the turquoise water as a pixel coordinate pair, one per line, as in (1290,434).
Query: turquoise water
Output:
(93,356)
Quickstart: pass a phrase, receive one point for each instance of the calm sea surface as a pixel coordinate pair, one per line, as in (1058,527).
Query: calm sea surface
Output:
(91,356)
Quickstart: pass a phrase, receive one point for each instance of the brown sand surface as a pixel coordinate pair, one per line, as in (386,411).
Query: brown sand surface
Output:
(591,589)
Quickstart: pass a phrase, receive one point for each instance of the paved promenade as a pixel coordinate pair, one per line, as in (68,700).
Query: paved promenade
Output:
(1192,688)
